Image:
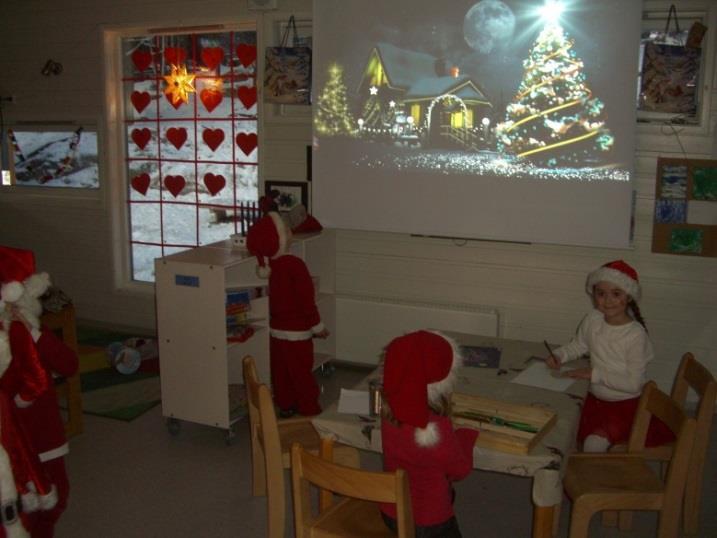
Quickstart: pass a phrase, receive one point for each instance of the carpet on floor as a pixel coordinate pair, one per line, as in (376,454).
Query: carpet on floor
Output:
(107,392)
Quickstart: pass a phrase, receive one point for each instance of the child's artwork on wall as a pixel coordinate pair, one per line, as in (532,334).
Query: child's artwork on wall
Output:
(669,79)
(685,219)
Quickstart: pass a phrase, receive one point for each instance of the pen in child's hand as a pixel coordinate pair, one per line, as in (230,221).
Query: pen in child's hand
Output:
(547,346)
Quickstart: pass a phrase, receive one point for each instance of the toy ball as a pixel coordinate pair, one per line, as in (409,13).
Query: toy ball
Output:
(125,360)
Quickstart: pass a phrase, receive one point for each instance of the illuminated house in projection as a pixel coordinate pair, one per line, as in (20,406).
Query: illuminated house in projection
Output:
(410,97)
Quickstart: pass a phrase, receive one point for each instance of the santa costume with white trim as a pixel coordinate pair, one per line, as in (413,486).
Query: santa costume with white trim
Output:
(294,317)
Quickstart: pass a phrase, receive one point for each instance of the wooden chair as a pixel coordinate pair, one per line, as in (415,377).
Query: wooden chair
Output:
(271,441)
(690,374)
(614,481)
(68,389)
(357,514)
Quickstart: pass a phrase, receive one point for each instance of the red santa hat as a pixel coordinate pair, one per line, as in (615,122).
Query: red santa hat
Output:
(267,238)
(419,368)
(616,272)
(18,277)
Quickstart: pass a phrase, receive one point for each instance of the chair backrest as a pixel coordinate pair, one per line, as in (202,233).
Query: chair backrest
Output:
(373,486)
(266,444)
(654,402)
(692,374)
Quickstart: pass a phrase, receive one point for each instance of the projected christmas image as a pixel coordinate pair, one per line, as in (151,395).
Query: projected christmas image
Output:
(512,89)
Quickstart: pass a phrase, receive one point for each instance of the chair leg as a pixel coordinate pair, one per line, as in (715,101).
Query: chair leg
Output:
(580,519)
(258,472)
(691,508)
(668,525)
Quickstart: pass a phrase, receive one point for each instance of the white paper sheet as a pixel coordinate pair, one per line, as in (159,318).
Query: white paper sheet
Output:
(539,375)
(353,402)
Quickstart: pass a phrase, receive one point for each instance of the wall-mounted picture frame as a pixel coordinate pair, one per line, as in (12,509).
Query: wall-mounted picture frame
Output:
(291,194)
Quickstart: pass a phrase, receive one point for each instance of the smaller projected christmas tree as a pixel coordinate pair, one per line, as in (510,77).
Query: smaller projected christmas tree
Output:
(554,118)
(332,110)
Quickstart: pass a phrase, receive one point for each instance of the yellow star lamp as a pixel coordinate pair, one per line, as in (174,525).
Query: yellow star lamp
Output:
(179,85)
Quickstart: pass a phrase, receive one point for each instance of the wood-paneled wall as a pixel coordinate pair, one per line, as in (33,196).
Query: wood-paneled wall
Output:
(539,289)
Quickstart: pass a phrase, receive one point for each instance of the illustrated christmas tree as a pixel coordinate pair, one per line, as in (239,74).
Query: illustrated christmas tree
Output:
(554,119)
(333,117)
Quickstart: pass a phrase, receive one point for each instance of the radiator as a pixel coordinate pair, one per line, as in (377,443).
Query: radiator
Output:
(365,325)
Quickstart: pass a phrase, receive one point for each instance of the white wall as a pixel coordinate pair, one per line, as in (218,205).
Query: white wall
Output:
(538,288)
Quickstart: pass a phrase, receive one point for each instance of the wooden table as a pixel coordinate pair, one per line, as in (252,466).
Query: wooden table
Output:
(544,463)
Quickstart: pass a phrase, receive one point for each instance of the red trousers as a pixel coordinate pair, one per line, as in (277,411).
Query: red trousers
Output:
(292,377)
(41,523)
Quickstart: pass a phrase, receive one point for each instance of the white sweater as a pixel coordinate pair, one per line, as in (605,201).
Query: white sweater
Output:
(618,356)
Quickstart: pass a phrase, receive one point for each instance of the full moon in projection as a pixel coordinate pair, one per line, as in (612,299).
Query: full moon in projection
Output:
(488,24)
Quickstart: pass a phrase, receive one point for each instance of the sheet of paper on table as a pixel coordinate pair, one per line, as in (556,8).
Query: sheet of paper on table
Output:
(539,375)
(353,402)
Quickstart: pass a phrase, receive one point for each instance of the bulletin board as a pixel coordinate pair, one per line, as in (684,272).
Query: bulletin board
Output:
(685,221)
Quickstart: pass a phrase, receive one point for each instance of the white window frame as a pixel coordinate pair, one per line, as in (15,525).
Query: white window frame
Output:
(115,150)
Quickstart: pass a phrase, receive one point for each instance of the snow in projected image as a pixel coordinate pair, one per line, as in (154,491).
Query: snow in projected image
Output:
(191,141)
(508,89)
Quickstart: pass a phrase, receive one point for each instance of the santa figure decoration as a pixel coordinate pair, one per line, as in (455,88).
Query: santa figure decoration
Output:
(24,488)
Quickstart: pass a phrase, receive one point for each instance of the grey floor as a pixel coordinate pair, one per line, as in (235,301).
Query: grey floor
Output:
(136,480)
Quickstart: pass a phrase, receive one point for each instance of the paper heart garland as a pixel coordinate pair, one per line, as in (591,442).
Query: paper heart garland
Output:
(175,105)
(177,136)
(247,142)
(175,55)
(247,95)
(214,183)
(174,184)
(212,56)
(140,183)
(140,100)
(141,59)
(246,54)
(210,98)
(213,138)
(141,137)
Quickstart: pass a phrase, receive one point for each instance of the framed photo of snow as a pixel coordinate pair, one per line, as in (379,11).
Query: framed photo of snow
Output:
(503,120)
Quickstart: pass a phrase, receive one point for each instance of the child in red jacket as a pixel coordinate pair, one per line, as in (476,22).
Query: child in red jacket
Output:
(40,418)
(417,434)
(293,317)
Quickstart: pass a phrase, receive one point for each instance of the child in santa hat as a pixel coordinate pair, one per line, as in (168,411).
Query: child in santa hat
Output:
(615,336)
(20,309)
(293,317)
(419,372)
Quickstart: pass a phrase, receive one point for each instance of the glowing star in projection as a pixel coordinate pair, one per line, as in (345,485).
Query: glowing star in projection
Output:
(373,90)
(488,25)
(179,85)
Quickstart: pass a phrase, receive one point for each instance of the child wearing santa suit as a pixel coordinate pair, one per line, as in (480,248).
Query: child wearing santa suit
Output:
(40,419)
(293,317)
(419,372)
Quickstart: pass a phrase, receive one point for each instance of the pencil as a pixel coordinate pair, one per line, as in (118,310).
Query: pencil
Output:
(547,346)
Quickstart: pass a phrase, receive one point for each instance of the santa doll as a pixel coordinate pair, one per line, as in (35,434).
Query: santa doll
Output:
(24,484)
(29,397)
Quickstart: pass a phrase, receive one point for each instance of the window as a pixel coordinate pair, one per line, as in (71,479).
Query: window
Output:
(65,156)
(191,143)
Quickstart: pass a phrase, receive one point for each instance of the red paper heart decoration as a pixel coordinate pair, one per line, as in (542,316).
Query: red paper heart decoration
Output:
(175,105)
(141,137)
(177,136)
(174,184)
(140,183)
(213,138)
(246,54)
(141,59)
(140,100)
(214,183)
(212,56)
(247,142)
(175,55)
(211,98)
(247,95)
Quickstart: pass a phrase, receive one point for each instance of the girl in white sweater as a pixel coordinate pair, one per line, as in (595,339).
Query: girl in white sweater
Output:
(615,338)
